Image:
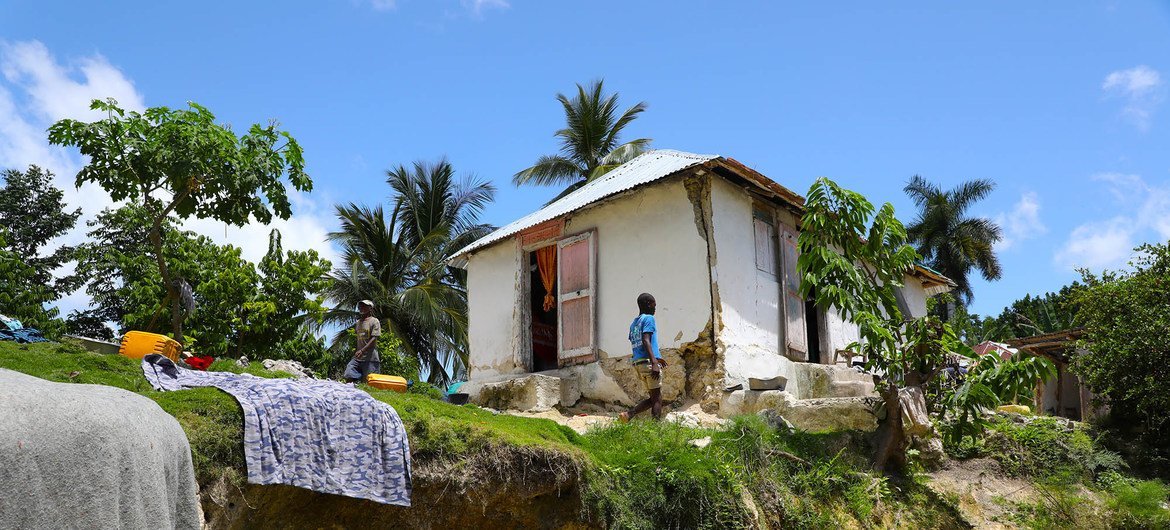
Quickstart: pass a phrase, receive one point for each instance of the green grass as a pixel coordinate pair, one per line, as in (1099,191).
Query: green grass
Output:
(641,475)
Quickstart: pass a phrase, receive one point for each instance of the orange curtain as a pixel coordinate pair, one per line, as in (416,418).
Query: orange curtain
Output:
(546,263)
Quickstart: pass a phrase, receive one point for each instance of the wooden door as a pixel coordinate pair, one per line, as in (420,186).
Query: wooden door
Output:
(576,299)
(795,331)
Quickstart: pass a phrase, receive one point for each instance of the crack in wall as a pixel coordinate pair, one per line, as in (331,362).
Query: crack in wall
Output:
(705,373)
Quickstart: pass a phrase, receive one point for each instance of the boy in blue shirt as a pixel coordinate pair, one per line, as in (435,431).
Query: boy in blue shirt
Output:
(647,361)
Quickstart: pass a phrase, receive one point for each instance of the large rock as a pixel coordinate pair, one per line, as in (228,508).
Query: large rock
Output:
(814,415)
(292,368)
(91,456)
(528,393)
(833,414)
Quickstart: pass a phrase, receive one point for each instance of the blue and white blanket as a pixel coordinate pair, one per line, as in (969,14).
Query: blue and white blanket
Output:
(320,435)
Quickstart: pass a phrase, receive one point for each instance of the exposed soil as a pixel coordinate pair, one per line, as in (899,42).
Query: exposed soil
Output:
(984,494)
(507,487)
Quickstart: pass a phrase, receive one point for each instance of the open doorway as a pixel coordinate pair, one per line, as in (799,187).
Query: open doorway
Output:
(812,328)
(542,266)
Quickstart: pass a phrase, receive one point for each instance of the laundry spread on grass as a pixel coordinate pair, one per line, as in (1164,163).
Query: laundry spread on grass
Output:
(319,435)
(22,335)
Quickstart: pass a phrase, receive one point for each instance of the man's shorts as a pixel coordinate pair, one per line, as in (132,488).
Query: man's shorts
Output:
(648,379)
(356,369)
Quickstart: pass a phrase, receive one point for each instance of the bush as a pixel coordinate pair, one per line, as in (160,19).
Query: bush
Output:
(1052,448)
(1139,505)
(1125,316)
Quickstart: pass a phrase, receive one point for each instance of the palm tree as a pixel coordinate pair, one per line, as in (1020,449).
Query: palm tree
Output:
(589,141)
(948,239)
(400,263)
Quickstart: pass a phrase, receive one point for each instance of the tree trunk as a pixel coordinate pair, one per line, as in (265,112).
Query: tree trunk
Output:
(891,436)
(172,293)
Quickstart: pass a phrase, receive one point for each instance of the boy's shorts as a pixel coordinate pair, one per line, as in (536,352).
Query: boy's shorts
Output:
(648,379)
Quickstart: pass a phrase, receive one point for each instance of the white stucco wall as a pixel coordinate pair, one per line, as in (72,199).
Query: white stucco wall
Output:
(752,332)
(493,312)
(750,299)
(647,241)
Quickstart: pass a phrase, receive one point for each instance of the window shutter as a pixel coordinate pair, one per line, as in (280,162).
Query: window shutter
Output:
(795,332)
(765,247)
(576,300)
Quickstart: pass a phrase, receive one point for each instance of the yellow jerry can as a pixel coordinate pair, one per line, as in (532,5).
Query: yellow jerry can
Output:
(387,382)
(139,344)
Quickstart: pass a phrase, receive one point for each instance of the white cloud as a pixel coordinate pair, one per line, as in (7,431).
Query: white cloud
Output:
(38,90)
(383,5)
(1135,82)
(306,229)
(478,6)
(1022,223)
(1140,88)
(1109,243)
(1097,245)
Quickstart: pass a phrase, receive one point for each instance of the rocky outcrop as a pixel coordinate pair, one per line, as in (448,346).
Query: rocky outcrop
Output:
(290,367)
(814,415)
(527,393)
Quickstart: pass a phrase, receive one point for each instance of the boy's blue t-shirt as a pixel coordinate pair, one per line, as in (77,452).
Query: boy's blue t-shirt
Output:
(644,324)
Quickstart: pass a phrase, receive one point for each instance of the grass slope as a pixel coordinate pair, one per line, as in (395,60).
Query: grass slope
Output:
(641,475)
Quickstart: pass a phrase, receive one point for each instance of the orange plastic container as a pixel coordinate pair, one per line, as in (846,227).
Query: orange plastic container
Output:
(387,382)
(139,344)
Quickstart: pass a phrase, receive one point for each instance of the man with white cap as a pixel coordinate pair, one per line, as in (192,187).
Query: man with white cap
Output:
(365,358)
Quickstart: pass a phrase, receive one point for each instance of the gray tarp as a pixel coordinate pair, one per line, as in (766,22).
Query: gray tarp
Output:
(90,456)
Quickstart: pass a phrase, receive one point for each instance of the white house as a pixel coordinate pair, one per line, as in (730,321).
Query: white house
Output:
(713,240)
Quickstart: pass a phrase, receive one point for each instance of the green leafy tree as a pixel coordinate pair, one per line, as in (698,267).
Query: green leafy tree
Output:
(1036,315)
(399,261)
(289,300)
(971,328)
(590,141)
(21,297)
(989,383)
(87,324)
(241,309)
(949,240)
(34,212)
(855,256)
(182,163)
(1126,316)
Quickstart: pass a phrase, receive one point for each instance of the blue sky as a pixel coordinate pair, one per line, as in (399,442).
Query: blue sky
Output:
(1062,104)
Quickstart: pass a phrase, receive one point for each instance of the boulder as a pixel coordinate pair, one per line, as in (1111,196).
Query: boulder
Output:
(528,393)
(828,414)
(293,368)
(833,414)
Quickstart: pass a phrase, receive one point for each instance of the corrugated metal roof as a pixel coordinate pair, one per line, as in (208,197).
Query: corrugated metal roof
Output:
(649,167)
(645,168)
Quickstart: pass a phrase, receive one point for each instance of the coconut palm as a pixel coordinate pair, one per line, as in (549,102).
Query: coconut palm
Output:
(949,240)
(399,261)
(589,142)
